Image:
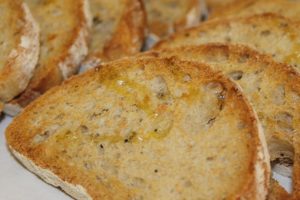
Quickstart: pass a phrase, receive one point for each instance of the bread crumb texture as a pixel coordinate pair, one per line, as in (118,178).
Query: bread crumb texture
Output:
(144,129)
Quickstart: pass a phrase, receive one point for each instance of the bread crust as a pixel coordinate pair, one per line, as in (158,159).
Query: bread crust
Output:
(251,7)
(127,38)
(276,192)
(48,176)
(58,69)
(262,32)
(216,7)
(255,186)
(21,62)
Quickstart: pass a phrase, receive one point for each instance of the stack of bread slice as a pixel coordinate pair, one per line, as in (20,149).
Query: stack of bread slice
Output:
(64,34)
(202,115)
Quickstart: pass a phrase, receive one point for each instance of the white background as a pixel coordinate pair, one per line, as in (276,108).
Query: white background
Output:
(16,183)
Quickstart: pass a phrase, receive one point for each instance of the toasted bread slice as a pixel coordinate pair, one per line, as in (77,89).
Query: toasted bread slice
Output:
(246,8)
(268,33)
(145,129)
(272,88)
(64,31)
(19,48)
(118,30)
(168,16)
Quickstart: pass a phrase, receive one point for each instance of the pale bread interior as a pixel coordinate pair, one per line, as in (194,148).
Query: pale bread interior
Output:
(106,15)
(149,126)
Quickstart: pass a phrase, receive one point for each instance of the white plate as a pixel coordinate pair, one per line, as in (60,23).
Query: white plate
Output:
(17,183)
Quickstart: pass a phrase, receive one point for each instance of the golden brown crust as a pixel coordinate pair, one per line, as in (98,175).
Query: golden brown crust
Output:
(250,7)
(276,192)
(20,139)
(261,32)
(53,71)
(22,59)
(217,7)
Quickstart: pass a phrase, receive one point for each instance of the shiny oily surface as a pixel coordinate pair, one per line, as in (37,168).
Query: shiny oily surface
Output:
(138,127)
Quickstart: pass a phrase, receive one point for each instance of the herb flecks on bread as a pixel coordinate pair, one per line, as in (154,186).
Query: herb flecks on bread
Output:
(145,128)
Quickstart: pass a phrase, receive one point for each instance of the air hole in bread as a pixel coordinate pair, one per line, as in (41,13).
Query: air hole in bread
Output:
(159,86)
(236,75)
(138,182)
(283,25)
(227,39)
(244,58)
(215,87)
(279,95)
(41,137)
(84,129)
(97,20)
(187,78)
(265,33)
(285,122)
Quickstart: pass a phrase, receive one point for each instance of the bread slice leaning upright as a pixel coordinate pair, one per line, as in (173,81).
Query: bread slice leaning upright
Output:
(118,30)
(145,129)
(168,16)
(19,48)
(64,31)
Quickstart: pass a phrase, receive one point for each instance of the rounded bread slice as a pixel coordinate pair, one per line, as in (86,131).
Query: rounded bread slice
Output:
(272,88)
(145,129)
(19,48)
